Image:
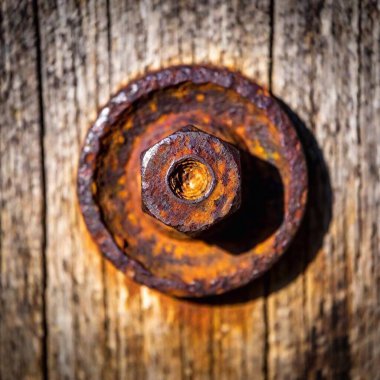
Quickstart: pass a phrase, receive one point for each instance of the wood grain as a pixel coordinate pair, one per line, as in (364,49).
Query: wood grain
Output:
(319,79)
(65,313)
(365,291)
(21,197)
(74,60)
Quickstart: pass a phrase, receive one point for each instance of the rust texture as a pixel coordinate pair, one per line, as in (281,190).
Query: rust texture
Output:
(227,107)
(191,180)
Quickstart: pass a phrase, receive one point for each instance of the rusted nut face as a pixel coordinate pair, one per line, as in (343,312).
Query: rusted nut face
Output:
(191,180)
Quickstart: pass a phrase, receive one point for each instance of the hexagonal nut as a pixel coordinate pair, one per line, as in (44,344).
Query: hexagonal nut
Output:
(191,180)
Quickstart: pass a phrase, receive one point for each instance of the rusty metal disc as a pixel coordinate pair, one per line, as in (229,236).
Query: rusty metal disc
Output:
(221,103)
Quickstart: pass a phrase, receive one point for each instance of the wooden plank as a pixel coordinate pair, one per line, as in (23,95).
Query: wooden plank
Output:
(74,47)
(143,333)
(290,81)
(144,37)
(21,197)
(151,335)
(315,70)
(239,37)
(365,291)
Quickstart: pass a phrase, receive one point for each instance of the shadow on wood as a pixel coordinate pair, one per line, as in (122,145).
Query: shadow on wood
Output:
(261,212)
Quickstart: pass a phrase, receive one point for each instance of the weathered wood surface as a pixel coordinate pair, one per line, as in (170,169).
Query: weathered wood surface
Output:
(67,314)
(22,238)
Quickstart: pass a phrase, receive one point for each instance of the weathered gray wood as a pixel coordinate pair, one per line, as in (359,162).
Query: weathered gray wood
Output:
(21,197)
(365,261)
(291,81)
(316,70)
(74,81)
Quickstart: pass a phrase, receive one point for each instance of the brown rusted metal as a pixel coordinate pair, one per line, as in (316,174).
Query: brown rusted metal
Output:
(191,180)
(219,103)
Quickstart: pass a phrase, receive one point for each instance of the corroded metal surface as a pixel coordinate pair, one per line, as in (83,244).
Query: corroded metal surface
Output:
(223,104)
(191,180)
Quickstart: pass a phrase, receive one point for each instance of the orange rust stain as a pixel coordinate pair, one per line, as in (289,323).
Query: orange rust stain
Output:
(153,107)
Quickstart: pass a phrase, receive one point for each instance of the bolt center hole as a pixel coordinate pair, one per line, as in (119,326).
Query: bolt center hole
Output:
(190,179)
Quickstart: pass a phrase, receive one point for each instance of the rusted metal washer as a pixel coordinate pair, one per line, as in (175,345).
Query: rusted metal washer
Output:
(221,103)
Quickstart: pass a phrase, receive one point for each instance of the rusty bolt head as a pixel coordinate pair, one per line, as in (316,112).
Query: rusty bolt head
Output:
(191,180)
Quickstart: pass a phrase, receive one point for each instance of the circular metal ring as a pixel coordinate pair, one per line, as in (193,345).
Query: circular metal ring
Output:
(219,102)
